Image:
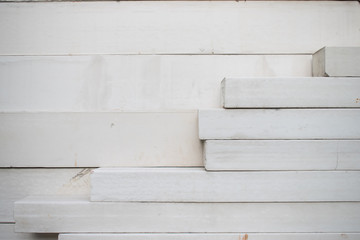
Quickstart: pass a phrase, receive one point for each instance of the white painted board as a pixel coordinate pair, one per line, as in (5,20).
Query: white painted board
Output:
(198,185)
(155,27)
(7,233)
(304,92)
(131,82)
(281,155)
(99,139)
(67,215)
(15,184)
(336,62)
(214,236)
(279,124)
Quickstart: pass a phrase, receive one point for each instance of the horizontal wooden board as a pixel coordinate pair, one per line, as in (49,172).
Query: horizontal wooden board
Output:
(149,27)
(131,83)
(7,233)
(15,184)
(279,124)
(215,236)
(311,92)
(198,185)
(337,62)
(282,155)
(41,214)
(99,139)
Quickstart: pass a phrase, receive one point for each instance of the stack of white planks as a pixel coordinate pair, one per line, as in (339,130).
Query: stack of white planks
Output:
(282,163)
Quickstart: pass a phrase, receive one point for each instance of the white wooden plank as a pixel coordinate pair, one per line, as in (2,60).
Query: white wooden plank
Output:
(163,27)
(282,155)
(198,185)
(15,184)
(309,92)
(40,214)
(279,124)
(130,83)
(215,236)
(7,233)
(99,139)
(336,62)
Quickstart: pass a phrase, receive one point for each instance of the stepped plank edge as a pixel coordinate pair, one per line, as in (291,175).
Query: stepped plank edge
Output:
(279,124)
(282,155)
(198,185)
(291,92)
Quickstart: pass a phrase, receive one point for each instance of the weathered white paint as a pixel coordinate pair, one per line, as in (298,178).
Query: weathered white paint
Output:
(66,215)
(336,62)
(177,27)
(130,83)
(7,233)
(99,139)
(282,155)
(215,236)
(15,184)
(279,124)
(198,185)
(312,92)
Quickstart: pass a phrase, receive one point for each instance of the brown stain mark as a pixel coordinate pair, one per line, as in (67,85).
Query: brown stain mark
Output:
(246,237)
(357,100)
(76,160)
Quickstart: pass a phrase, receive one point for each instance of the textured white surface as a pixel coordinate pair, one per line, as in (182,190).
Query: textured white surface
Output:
(131,83)
(215,236)
(177,27)
(15,184)
(79,215)
(308,92)
(337,62)
(279,124)
(198,185)
(99,139)
(282,155)
(7,233)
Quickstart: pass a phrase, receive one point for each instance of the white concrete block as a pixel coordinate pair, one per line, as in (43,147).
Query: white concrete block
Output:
(282,155)
(40,214)
(215,236)
(7,233)
(131,83)
(15,184)
(291,92)
(99,139)
(153,27)
(198,185)
(279,124)
(336,62)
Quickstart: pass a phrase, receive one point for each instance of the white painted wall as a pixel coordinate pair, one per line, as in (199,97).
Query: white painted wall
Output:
(60,61)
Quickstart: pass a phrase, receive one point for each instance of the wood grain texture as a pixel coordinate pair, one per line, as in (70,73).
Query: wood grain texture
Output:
(312,92)
(215,236)
(336,62)
(131,83)
(7,233)
(16,184)
(282,155)
(79,215)
(174,27)
(99,139)
(198,185)
(279,124)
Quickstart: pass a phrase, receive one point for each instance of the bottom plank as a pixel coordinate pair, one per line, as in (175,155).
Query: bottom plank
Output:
(67,215)
(218,236)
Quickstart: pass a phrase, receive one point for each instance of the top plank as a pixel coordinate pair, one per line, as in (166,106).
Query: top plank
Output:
(205,27)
